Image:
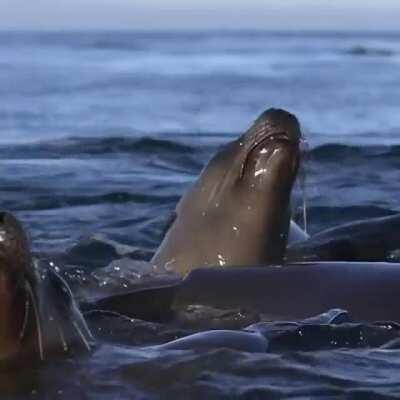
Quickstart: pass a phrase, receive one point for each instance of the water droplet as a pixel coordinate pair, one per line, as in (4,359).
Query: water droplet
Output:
(260,171)
(221,260)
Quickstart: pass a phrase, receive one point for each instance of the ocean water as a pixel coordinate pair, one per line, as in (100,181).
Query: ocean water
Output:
(101,132)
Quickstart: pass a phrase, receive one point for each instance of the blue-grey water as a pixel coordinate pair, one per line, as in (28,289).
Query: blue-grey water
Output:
(101,132)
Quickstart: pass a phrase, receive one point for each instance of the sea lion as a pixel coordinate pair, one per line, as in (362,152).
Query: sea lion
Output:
(237,212)
(38,315)
(374,239)
(367,290)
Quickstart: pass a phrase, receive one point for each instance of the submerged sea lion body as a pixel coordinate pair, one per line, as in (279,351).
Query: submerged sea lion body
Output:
(369,291)
(375,239)
(237,213)
(38,315)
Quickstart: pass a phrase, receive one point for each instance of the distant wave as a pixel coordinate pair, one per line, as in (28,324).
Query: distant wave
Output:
(334,151)
(75,146)
(116,44)
(350,212)
(128,145)
(104,146)
(369,51)
(56,201)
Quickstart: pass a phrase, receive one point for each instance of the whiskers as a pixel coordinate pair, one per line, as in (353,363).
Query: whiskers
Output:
(62,338)
(69,321)
(58,325)
(302,175)
(35,305)
(82,336)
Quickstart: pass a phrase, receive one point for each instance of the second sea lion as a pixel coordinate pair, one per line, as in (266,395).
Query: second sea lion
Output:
(38,314)
(237,212)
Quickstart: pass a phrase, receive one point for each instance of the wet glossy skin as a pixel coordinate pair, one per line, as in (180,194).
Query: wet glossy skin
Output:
(38,315)
(237,213)
(14,256)
(368,291)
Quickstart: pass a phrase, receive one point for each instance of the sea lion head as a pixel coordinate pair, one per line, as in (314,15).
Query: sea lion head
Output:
(237,213)
(14,271)
(38,314)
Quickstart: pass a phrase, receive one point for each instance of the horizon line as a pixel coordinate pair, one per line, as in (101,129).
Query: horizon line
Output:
(197,30)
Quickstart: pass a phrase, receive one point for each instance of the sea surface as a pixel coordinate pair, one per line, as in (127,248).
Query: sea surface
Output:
(101,133)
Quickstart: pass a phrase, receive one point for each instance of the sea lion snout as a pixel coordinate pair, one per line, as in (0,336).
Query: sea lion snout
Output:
(274,148)
(276,122)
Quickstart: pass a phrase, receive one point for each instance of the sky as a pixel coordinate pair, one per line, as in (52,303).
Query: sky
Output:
(200,14)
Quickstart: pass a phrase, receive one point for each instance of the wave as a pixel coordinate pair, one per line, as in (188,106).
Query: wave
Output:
(116,44)
(62,201)
(350,212)
(369,51)
(75,146)
(335,151)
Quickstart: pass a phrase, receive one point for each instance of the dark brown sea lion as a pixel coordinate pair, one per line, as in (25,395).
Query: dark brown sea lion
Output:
(374,239)
(237,212)
(38,315)
(369,291)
